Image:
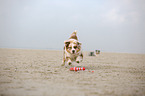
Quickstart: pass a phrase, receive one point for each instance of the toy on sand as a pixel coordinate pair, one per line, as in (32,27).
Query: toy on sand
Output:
(77,68)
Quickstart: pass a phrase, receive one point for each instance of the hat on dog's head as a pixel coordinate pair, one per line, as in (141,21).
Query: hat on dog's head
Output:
(73,35)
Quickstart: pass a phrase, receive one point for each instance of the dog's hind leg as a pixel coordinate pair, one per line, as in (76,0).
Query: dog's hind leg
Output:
(63,61)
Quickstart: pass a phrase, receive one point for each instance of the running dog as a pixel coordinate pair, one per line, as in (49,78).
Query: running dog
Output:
(72,50)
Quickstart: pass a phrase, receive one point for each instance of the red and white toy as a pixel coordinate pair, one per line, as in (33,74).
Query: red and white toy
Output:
(77,68)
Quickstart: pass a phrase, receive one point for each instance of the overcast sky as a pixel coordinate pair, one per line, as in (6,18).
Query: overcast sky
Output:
(108,25)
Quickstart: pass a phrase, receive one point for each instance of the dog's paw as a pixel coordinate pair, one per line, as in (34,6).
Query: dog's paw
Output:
(69,63)
(78,61)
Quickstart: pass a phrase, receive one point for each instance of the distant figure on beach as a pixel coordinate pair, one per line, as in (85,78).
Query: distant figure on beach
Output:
(91,54)
(97,52)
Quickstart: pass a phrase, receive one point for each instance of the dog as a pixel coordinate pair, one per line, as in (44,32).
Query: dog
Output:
(72,50)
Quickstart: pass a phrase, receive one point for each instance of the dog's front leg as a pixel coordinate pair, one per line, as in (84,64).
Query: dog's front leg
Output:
(69,62)
(79,58)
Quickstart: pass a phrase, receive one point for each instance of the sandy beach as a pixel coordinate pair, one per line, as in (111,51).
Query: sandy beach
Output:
(39,73)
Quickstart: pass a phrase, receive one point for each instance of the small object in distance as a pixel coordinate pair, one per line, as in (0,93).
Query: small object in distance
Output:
(91,71)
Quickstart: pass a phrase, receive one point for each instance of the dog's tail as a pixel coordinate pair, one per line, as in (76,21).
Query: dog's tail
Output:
(74,35)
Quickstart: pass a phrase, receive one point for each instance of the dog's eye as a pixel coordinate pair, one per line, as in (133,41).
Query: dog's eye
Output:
(70,47)
(75,47)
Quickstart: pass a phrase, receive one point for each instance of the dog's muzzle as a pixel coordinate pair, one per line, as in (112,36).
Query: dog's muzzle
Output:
(73,51)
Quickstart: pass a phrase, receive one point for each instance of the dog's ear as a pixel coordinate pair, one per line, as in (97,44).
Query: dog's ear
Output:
(67,42)
(79,43)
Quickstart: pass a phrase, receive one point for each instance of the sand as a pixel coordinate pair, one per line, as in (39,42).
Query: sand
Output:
(39,73)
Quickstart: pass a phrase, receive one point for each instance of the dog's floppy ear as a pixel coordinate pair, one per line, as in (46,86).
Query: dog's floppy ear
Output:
(67,42)
(79,43)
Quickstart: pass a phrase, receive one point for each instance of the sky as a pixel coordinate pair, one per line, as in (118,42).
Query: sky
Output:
(106,25)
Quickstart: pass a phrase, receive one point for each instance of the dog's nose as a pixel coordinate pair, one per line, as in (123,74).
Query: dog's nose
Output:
(73,51)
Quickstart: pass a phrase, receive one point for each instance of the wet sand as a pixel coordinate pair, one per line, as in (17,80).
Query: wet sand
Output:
(39,73)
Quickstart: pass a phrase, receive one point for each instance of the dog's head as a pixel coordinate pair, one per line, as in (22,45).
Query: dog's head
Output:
(72,46)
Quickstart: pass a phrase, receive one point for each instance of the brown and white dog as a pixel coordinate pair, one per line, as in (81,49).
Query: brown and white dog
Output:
(72,50)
